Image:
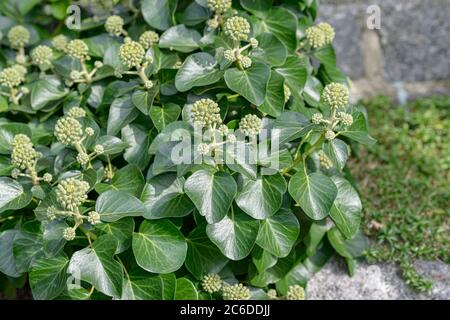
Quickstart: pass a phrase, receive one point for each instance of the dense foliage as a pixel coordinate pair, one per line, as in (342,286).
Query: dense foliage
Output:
(409,177)
(174,150)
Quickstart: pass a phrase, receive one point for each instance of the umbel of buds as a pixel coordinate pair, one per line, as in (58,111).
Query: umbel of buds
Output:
(235,292)
(319,35)
(238,29)
(42,57)
(19,37)
(148,39)
(336,95)
(219,6)
(78,49)
(212,283)
(206,113)
(24,158)
(60,42)
(11,78)
(324,160)
(295,292)
(250,125)
(132,55)
(114,26)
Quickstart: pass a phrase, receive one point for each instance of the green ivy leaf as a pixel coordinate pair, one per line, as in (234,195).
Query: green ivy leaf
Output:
(358,130)
(47,90)
(203,256)
(315,193)
(185,290)
(161,116)
(199,69)
(163,197)
(129,179)
(12,195)
(159,246)
(274,101)
(138,141)
(7,261)
(234,235)
(290,125)
(346,209)
(212,193)
(261,198)
(295,74)
(158,13)
(263,259)
(7,133)
(144,287)
(258,7)
(143,99)
(270,50)
(337,151)
(111,145)
(96,266)
(121,113)
(250,83)
(180,38)
(48,277)
(120,230)
(114,205)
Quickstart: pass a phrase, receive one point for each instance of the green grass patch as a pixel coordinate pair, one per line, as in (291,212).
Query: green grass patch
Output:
(405,184)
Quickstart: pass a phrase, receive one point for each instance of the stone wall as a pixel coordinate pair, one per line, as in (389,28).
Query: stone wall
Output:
(408,56)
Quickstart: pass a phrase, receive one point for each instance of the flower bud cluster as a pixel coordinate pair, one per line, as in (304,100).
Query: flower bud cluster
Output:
(206,113)
(219,6)
(114,26)
(235,292)
(211,283)
(324,160)
(336,95)
(319,35)
(42,56)
(250,125)
(237,28)
(295,292)
(148,39)
(132,55)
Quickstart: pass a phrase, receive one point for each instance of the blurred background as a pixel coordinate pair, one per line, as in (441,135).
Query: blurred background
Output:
(408,57)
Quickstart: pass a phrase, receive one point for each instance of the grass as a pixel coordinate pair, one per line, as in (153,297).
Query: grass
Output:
(405,184)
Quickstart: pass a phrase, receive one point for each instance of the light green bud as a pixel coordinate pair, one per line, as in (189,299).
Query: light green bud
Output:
(20,68)
(78,49)
(15,173)
(68,131)
(213,23)
(237,28)
(230,55)
(315,37)
(206,112)
(246,62)
(223,129)
(287,93)
(83,158)
(18,37)
(23,155)
(346,118)
(52,213)
(324,160)
(60,43)
(11,77)
(71,193)
(148,39)
(219,6)
(42,55)
(89,131)
(98,64)
(295,292)
(330,135)
(250,125)
(317,118)
(254,43)
(94,217)
(336,95)
(236,292)
(203,149)
(231,138)
(211,283)
(148,84)
(75,75)
(99,149)
(47,177)
(114,25)
(272,294)
(328,32)
(76,112)
(69,234)
(131,54)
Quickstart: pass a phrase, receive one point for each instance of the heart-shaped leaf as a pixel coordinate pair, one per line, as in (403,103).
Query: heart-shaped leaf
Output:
(114,205)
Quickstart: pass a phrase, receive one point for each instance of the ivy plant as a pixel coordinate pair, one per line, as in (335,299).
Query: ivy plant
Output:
(165,149)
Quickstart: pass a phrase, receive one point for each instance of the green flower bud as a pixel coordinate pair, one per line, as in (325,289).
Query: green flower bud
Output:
(83,158)
(272,294)
(219,6)
(246,62)
(15,173)
(114,25)
(346,118)
(230,55)
(315,37)
(236,292)
(223,129)
(89,131)
(118,73)
(71,193)
(20,68)
(203,149)
(211,283)
(78,49)
(237,28)
(330,135)
(99,149)
(287,93)
(47,177)
(52,213)
(68,131)
(69,234)
(317,118)
(231,138)
(18,37)
(295,292)
(60,43)
(76,112)
(42,55)
(24,90)
(21,58)
(213,23)
(94,217)
(328,32)
(254,43)
(336,95)
(23,155)
(148,39)
(250,125)
(324,160)
(98,64)
(148,84)
(131,54)
(11,77)
(75,75)
(206,112)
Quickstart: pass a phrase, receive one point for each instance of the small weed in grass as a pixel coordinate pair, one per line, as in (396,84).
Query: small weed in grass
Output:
(405,184)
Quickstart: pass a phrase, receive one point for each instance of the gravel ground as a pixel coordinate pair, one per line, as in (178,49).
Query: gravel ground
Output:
(376,282)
